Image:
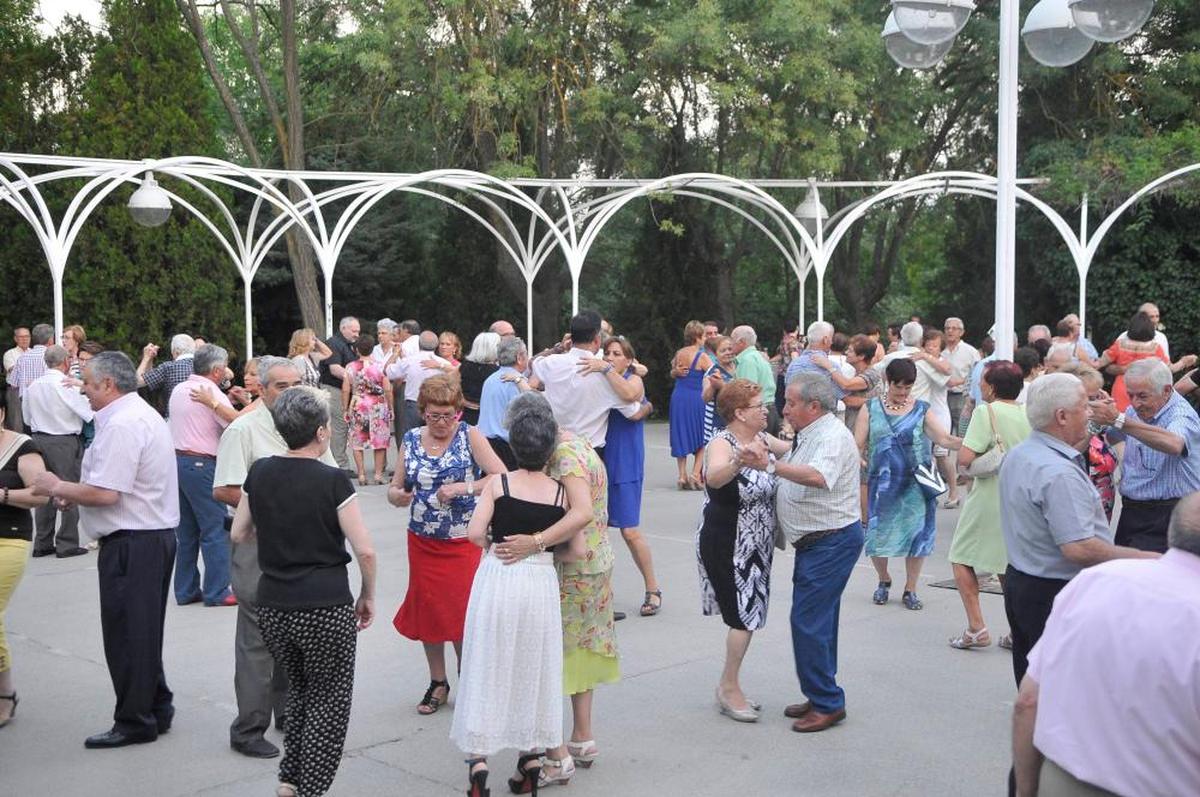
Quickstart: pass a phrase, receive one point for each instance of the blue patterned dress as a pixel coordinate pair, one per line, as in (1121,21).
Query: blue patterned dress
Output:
(900,519)
(713,422)
(425,474)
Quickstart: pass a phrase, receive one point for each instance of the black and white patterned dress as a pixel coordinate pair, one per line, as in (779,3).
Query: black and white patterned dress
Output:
(735,545)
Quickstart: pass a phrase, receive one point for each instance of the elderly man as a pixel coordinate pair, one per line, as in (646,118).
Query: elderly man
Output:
(962,357)
(1109,703)
(413,369)
(1053,522)
(32,363)
(817,511)
(196,432)
(260,686)
(819,343)
(499,389)
(332,373)
(165,376)
(1162,453)
(56,413)
(128,498)
(503,329)
(1070,331)
(12,417)
(580,397)
(752,364)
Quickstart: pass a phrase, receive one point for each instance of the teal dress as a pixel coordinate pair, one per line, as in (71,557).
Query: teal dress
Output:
(900,519)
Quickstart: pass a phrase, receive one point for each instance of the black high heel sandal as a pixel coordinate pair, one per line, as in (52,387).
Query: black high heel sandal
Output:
(477,778)
(430,703)
(528,783)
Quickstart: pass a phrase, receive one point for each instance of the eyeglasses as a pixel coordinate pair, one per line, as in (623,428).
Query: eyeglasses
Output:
(435,417)
(758,406)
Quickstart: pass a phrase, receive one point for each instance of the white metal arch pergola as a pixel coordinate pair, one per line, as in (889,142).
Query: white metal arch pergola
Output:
(584,208)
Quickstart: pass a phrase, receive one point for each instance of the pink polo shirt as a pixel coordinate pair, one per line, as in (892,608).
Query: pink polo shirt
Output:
(195,426)
(1118,670)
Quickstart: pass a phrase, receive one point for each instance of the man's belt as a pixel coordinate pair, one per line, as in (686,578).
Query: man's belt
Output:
(183,452)
(813,536)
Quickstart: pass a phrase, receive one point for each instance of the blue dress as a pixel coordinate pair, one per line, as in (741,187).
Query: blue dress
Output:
(687,411)
(624,456)
(900,519)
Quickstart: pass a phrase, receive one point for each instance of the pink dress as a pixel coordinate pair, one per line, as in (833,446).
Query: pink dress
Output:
(370,420)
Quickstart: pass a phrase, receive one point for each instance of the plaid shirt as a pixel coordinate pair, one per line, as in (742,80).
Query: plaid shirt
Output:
(29,367)
(165,376)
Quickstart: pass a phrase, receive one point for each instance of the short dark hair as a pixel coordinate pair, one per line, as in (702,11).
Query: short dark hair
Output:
(1141,328)
(901,371)
(987,345)
(863,346)
(585,326)
(839,342)
(1005,377)
(411,327)
(870,328)
(1063,328)
(364,345)
(790,326)
(1042,347)
(1026,359)
(894,328)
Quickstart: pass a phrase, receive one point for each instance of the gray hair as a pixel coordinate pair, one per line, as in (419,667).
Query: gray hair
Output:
(1184,530)
(182,344)
(428,341)
(483,349)
(815,387)
(510,350)
(1153,371)
(346,321)
(912,333)
(745,334)
(411,327)
(55,356)
(269,361)
(299,413)
(385,325)
(208,357)
(946,323)
(117,366)
(532,430)
(1048,394)
(1041,330)
(41,334)
(818,330)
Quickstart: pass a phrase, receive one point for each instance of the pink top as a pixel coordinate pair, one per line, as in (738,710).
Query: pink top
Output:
(195,426)
(132,454)
(1119,674)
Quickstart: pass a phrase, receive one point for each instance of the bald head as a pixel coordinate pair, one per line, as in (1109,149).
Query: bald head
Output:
(1184,531)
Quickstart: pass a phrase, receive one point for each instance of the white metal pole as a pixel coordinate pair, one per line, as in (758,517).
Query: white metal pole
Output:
(803,279)
(824,260)
(1087,266)
(249,319)
(529,315)
(329,328)
(57,272)
(1006,179)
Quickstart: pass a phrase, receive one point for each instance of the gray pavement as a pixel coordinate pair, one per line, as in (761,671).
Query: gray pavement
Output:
(923,719)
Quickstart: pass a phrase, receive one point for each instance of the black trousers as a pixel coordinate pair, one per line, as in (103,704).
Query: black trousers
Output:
(135,579)
(1143,524)
(1027,602)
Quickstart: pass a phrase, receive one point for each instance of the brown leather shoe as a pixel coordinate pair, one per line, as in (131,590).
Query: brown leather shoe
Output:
(815,721)
(797,710)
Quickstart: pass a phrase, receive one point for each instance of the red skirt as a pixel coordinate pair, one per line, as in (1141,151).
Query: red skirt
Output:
(440,573)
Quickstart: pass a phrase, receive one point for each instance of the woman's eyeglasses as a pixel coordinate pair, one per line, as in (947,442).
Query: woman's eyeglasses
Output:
(434,417)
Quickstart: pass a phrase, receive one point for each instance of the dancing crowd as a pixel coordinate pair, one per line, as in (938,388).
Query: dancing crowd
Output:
(510,467)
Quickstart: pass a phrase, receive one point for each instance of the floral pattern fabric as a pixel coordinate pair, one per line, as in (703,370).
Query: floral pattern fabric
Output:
(425,474)
(370,416)
(1102,463)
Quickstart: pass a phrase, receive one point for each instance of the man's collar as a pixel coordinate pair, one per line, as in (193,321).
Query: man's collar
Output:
(1058,445)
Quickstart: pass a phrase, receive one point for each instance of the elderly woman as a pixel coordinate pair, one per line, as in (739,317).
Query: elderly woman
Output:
(978,544)
(449,348)
(367,403)
(481,363)
(20,464)
(1136,344)
(303,512)
(1101,456)
(72,338)
(894,437)
(735,541)
(510,695)
(307,351)
(435,475)
(687,405)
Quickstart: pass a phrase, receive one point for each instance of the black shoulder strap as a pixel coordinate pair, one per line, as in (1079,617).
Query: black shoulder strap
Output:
(558,495)
(504,482)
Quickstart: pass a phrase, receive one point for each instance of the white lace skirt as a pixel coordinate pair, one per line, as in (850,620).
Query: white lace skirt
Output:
(510,689)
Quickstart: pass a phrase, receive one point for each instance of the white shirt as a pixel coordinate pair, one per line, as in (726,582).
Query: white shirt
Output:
(50,407)
(580,401)
(1159,338)
(410,346)
(413,373)
(828,446)
(962,359)
(929,379)
(379,355)
(133,456)
(10,357)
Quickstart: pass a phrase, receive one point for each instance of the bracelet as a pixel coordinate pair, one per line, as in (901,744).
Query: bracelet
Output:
(541,542)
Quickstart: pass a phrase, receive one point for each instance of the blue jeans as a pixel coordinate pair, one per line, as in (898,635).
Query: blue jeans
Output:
(201,531)
(819,577)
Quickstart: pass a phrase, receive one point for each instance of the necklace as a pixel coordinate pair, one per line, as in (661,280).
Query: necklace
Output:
(887,404)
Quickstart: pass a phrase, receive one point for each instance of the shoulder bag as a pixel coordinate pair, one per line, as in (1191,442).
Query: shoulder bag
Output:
(987,464)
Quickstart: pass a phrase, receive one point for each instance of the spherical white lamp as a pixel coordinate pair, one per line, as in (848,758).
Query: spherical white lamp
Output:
(907,53)
(1110,20)
(150,206)
(810,211)
(1052,37)
(932,21)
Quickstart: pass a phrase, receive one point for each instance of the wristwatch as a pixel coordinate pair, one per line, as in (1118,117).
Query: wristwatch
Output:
(770,464)
(1119,423)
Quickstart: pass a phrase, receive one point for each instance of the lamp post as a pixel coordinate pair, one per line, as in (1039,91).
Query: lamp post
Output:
(1057,33)
(812,215)
(150,206)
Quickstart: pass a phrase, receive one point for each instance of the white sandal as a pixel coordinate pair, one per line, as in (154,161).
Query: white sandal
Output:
(971,639)
(583,753)
(565,767)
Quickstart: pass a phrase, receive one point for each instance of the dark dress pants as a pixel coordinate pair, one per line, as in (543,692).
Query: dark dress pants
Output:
(135,579)
(1143,524)
(63,455)
(1027,602)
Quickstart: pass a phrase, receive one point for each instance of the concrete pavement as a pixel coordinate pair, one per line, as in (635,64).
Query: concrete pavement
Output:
(923,719)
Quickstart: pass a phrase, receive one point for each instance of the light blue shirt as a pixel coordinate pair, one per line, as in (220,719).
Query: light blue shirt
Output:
(494,401)
(802,364)
(1088,348)
(977,378)
(1154,475)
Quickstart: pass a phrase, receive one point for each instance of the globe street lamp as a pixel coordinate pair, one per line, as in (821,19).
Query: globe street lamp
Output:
(908,53)
(150,206)
(1057,33)
(812,215)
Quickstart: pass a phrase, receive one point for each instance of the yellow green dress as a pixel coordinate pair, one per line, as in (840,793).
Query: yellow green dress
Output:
(589,642)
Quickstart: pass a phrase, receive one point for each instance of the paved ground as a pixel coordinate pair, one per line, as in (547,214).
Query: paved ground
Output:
(923,719)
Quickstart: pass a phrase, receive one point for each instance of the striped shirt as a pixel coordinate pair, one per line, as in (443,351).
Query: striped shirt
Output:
(1151,475)
(827,446)
(29,367)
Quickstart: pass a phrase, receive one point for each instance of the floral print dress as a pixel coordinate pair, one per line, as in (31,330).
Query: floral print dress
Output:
(370,416)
